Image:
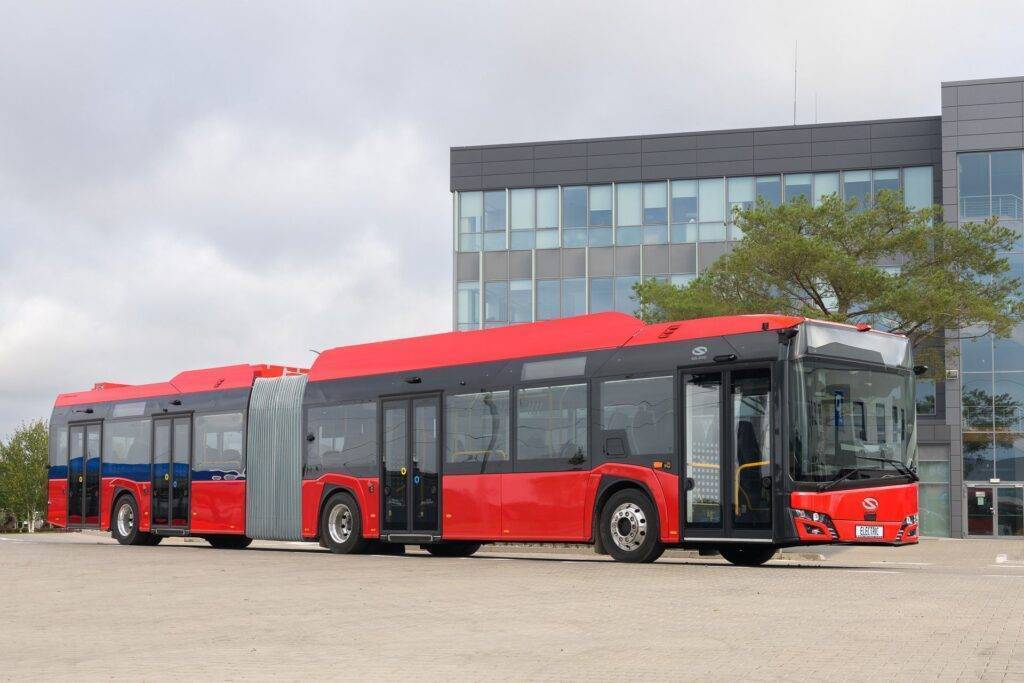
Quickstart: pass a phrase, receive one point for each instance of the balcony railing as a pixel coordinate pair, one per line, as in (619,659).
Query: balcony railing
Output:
(983,206)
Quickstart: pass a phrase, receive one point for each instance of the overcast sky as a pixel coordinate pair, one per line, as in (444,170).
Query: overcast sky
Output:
(194,184)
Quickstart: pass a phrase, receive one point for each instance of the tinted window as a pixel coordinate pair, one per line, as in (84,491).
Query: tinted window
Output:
(684,201)
(857,185)
(58,445)
(640,412)
(219,443)
(574,207)
(768,189)
(344,439)
(125,443)
(552,423)
(476,427)
(601,205)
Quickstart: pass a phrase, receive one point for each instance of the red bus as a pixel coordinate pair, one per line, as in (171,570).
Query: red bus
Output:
(740,434)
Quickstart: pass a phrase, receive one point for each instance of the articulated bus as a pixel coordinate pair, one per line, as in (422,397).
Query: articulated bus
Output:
(740,434)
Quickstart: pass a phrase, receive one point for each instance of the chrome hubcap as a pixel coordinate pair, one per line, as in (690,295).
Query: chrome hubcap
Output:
(628,526)
(125,520)
(339,523)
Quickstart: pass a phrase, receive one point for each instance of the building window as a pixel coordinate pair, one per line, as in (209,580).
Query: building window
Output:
(494,221)
(885,179)
(574,296)
(797,186)
(520,301)
(917,187)
(574,216)
(640,412)
(551,424)
(476,427)
(625,297)
(496,302)
(825,184)
(471,218)
(523,218)
(628,213)
(857,185)
(548,292)
(469,305)
(601,294)
(741,195)
(769,189)
(547,218)
(925,396)
(655,213)
(345,440)
(600,234)
(1006,184)
(683,279)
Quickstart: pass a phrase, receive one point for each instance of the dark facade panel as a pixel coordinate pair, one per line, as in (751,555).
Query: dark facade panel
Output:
(840,161)
(658,172)
(627,260)
(665,143)
(709,252)
(792,165)
(567,149)
(549,263)
(498,167)
(889,129)
(509,180)
(509,153)
(560,164)
(465,156)
(613,160)
(989,93)
(682,258)
(783,151)
(467,169)
(738,139)
(782,136)
(725,154)
(984,111)
(905,142)
(560,178)
(614,146)
(520,265)
(467,183)
(985,126)
(607,175)
(720,168)
(574,262)
(841,132)
(656,259)
(919,157)
(467,266)
(495,265)
(849,146)
(602,260)
(676,156)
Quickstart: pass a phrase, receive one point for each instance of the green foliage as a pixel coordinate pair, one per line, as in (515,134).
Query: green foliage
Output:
(822,262)
(23,470)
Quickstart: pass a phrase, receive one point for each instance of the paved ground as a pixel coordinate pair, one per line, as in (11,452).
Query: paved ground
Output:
(78,606)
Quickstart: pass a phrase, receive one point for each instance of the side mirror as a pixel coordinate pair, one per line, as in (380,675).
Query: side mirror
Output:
(920,370)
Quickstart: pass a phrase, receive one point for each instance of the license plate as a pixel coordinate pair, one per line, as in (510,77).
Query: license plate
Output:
(869,531)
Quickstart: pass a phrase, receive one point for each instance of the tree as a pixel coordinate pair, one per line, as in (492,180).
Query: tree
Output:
(23,470)
(823,262)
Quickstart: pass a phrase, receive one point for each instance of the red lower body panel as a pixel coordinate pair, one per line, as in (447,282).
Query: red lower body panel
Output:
(365,490)
(57,502)
(471,506)
(218,507)
(544,506)
(110,487)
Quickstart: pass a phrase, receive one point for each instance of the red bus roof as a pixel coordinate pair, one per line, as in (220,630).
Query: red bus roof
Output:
(188,382)
(568,335)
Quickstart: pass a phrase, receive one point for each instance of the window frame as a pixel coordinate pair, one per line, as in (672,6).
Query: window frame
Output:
(597,441)
(491,466)
(195,417)
(308,475)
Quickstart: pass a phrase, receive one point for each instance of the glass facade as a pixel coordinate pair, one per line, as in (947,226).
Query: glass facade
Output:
(992,370)
(620,234)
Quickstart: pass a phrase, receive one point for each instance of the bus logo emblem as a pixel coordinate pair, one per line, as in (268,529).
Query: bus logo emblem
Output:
(870,504)
(700,350)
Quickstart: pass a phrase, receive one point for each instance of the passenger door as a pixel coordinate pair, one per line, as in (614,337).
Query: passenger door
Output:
(84,474)
(727,436)
(171,480)
(411,475)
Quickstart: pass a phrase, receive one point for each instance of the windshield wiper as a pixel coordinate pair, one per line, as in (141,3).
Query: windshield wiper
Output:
(897,465)
(829,484)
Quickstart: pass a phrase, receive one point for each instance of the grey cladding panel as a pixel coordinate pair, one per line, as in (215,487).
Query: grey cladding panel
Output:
(604,175)
(683,258)
(725,154)
(462,156)
(987,111)
(670,171)
(709,252)
(794,165)
(989,93)
(782,136)
(627,260)
(621,146)
(888,129)
(520,265)
(669,143)
(560,164)
(495,265)
(841,132)
(601,261)
(984,126)
(677,156)
(655,259)
(506,153)
(613,160)
(549,263)
(273,500)
(560,178)
(739,139)
(801,149)
(567,149)
(467,266)
(515,166)
(574,262)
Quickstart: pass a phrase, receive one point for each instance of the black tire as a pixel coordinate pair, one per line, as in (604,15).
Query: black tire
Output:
(384,548)
(748,555)
(229,541)
(124,523)
(154,539)
(637,536)
(454,549)
(341,525)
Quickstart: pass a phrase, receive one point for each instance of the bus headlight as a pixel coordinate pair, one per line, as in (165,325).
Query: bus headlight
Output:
(813,516)
(911,519)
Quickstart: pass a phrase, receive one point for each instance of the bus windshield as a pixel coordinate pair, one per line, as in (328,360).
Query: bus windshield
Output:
(851,423)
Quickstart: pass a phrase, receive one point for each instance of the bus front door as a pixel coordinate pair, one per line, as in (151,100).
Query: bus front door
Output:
(84,475)
(727,444)
(172,450)
(410,504)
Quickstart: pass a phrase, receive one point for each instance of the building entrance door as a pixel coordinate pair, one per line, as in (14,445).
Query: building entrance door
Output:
(995,511)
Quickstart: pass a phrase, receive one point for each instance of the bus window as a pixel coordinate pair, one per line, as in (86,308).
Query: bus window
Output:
(476,428)
(640,413)
(219,444)
(344,440)
(552,424)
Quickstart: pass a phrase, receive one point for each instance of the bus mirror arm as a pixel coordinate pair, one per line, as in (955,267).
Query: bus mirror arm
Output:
(920,370)
(690,484)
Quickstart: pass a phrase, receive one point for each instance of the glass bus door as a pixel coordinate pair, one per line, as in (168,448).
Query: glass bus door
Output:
(411,472)
(84,474)
(172,451)
(727,444)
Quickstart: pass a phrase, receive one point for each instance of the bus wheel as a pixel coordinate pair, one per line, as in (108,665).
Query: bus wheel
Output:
(125,525)
(629,527)
(748,555)
(229,542)
(452,549)
(341,527)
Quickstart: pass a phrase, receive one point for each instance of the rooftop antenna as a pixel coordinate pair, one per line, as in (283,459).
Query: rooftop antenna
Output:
(795,43)
(315,351)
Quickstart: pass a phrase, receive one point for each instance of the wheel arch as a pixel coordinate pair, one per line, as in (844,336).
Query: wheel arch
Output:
(331,490)
(609,486)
